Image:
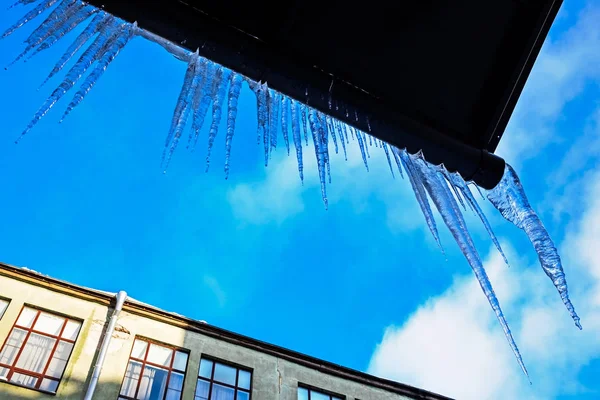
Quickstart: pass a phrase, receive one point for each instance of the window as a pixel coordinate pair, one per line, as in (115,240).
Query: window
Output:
(305,393)
(154,372)
(219,381)
(3,306)
(37,350)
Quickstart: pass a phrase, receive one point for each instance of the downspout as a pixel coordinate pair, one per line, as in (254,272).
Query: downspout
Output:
(121,297)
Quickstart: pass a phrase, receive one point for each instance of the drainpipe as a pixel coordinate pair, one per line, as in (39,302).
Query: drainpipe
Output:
(121,297)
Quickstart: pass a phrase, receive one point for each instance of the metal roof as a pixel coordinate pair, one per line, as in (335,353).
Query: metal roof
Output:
(442,76)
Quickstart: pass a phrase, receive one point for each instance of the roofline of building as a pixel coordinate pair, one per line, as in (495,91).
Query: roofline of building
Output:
(148,311)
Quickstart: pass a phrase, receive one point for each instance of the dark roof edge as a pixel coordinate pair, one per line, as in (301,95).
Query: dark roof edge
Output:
(201,327)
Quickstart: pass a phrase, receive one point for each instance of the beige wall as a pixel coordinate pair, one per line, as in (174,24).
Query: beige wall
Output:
(273,378)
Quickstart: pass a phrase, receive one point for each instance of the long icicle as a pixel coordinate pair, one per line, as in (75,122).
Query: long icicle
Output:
(397,158)
(387,155)
(341,136)
(285,105)
(21,3)
(108,57)
(420,194)
(448,209)
(221,82)
(53,22)
(182,108)
(324,137)
(99,21)
(76,18)
(332,131)
(316,130)
(458,182)
(28,17)
(510,199)
(304,128)
(361,145)
(262,110)
(202,100)
(296,136)
(84,62)
(232,105)
(274,105)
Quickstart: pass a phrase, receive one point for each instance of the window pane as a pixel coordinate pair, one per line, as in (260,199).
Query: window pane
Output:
(71,330)
(160,355)
(176,381)
(50,324)
(202,390)
(153,384)
(49,385)
(3,307)
(173,395)
(206,368)
(225,374)
(180,360)
(24,380)
(243,396)
(302,394)
(139,349)
(3,372)
(244,379)
(221,392)
(36,352)
(132,376)
(318,396)
(26,318)
(12,346)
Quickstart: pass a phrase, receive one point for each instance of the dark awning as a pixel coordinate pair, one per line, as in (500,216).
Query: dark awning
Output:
(442,76)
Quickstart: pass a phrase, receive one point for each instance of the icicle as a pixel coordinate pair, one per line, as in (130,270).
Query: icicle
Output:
(352,130)
(182,110)
(457,182)
(364,138)
(370,139)
(420,194)
(332,131)
(324,136)
(221,82)
(21,2)
(29,16)
(304,124)
(478,190)
(84,62)
(361,145)
(319,152)
(510,199)
(397,158)
(338,127)
(176,51)
(76,18)
(55,20)
(285,105)
(263,117)
(114,48)
(387,154)
(448,208)
(202,99)
(232,104)
(99,21)
(296,137)
(344,126)
(274,103)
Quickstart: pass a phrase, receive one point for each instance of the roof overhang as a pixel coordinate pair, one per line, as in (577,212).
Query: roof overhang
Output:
(441,76)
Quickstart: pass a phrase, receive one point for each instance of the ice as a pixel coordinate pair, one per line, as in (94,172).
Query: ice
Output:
(387,155)
(202,99)
(296,137)
(317,133)
(440,194)
(332,131)
(97,24)
(361,145)
(303,111)
(420,194)
(274,105)
(509,198)
(398,162)
(232,104)
(221,83)
(29,16)
(341,137)
(285,106)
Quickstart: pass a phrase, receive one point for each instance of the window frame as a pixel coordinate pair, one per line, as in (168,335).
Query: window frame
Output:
(7,300)
(311,388)
(58,338)
(144,362)
(226,363)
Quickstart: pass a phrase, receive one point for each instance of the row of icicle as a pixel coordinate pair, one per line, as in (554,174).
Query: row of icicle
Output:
(208,85)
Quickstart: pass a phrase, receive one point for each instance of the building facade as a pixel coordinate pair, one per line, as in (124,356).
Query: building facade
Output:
(54,334)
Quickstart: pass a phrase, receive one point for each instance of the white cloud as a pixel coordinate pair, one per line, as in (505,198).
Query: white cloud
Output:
(216,289)
(453,344)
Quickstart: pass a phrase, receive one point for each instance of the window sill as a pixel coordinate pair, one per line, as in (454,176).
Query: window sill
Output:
(3,380)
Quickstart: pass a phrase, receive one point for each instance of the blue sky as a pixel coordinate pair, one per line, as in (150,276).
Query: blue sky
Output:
(86,201)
